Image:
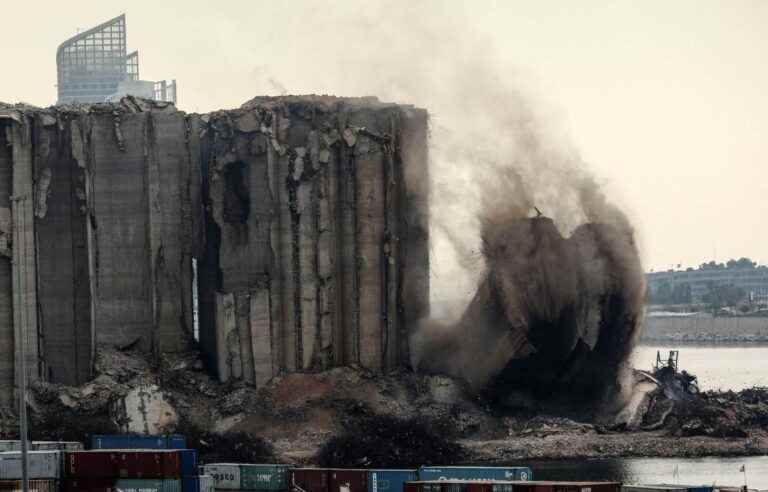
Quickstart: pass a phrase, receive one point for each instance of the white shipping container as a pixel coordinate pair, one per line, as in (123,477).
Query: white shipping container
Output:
(34,486)
(55,446)
(206,483)
(41,464)
(225,475)
(42,446)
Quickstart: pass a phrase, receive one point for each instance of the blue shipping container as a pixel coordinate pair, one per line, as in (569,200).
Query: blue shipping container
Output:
(389,480)
(188,458)
(200,483)
(519,473)
(126,441)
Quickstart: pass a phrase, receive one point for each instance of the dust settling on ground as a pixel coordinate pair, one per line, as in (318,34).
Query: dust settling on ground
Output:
(307,217)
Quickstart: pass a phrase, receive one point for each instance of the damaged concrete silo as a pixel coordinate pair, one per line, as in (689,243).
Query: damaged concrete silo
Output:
(316,249)
(103,232)
(306,215)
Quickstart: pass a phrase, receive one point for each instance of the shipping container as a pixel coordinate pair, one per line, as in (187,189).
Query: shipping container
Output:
(514,473)
(41,464)
(34,486)
(389,480)
(309,479)
(226,476)
(123,464)
(509,486)
(42,446)
(121,485)
(206,483)
(188,462)
(200,483)
(128,441)
(668,488)
(238,476)
(343,480)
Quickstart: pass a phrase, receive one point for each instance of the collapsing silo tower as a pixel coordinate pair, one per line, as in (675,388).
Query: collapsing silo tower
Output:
(316,240)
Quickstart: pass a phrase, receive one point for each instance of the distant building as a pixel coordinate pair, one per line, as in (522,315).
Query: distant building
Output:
(94,66)
(694,285)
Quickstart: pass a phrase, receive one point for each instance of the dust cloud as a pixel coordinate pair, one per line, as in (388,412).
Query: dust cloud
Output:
(536,279)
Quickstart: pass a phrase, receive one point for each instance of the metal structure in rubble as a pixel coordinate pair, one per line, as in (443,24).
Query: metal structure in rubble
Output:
(307,217)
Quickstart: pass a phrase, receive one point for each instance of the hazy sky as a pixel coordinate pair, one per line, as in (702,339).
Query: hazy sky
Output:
(667,101)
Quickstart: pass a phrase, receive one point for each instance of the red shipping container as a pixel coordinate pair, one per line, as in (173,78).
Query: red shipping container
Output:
(309,479)
(122,464)
(88,485)
(348,480)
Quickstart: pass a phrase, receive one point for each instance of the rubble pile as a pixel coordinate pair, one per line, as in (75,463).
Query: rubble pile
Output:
(680,409)
(375,441)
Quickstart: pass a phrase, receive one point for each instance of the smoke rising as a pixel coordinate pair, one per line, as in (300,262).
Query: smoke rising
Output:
(519,301)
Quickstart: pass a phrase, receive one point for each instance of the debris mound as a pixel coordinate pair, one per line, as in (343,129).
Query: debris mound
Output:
(378,441)
(554,317)
(231,447)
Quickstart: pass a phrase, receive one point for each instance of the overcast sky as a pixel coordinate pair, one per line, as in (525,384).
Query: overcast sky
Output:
(667,101)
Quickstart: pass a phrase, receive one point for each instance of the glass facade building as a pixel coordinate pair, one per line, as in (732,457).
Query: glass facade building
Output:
(93,65)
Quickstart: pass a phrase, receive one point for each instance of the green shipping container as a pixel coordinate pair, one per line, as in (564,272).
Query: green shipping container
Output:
(148,485)
(264,477)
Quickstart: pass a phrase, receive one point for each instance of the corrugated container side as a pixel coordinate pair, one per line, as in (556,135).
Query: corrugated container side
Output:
(34,485)
(190,484)
(122,485)
(188,462)
(226,476)
(128,441)
(575,487)
(650,488)
(310,479)
(389,480)
(348,480)
(177,442)
(200,483)
(99,441)
(42,464)
(42,446)
(264,477)
(206,483)
(122,464)
(519,473)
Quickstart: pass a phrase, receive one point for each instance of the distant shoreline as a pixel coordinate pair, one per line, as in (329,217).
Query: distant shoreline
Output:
(613,445)
(704,341)
(704,328)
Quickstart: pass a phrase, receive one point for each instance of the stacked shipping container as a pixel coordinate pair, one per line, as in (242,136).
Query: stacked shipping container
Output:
(235,476)
(126,441)
(145,470)
(44,469)
(42,446)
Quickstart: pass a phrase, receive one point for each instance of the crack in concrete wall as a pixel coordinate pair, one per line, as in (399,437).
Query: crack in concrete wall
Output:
(307,224)
(336,234)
